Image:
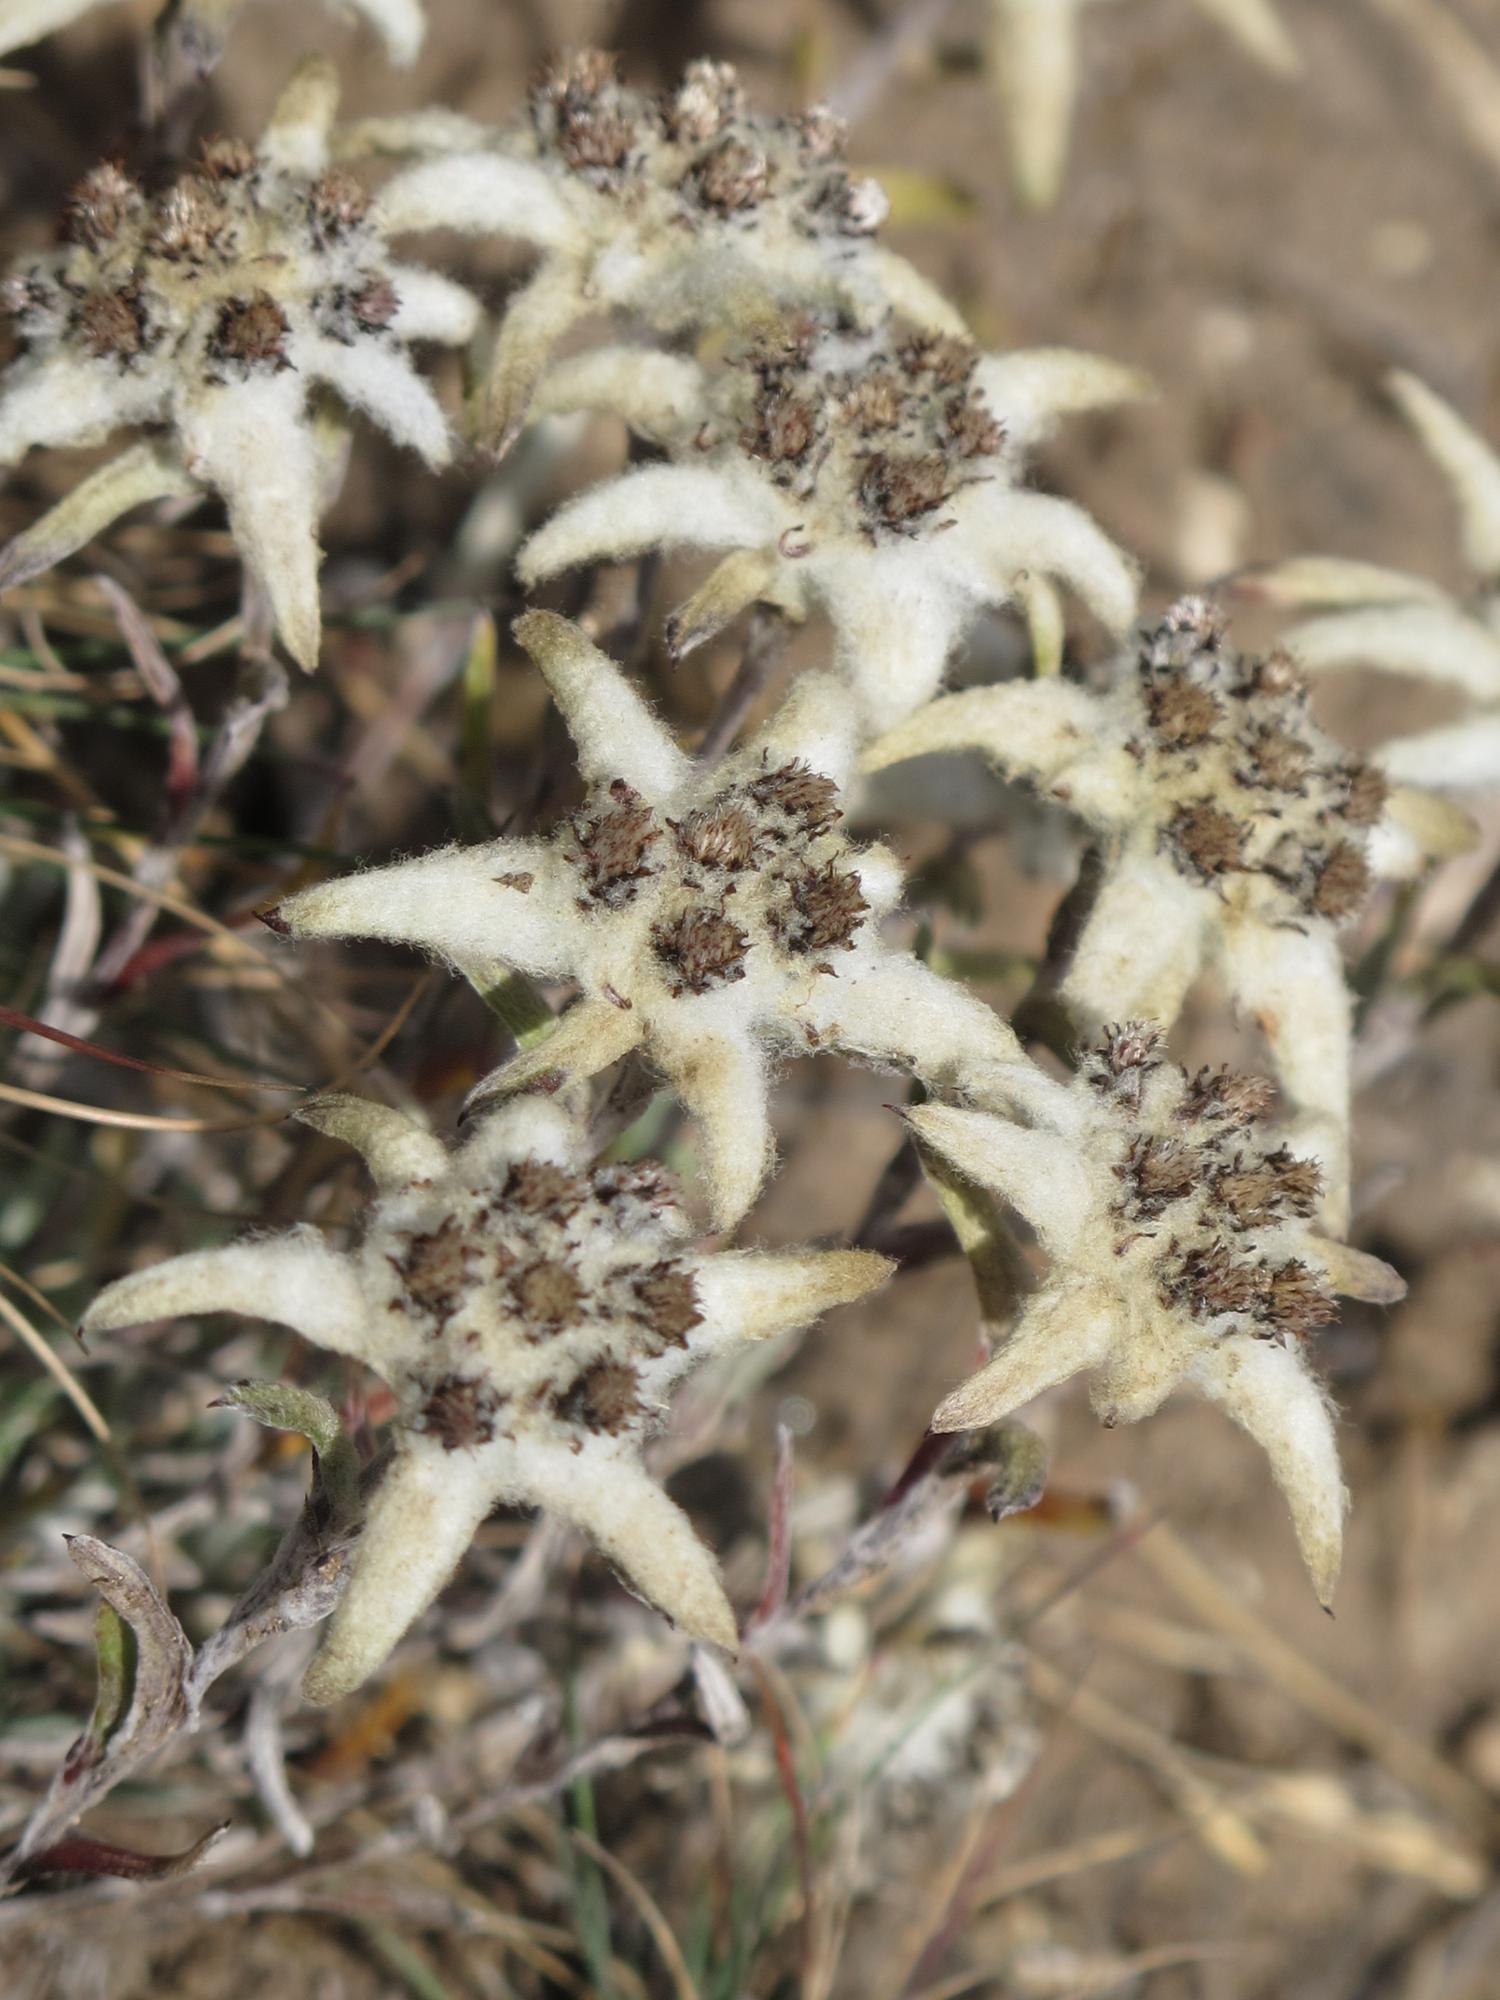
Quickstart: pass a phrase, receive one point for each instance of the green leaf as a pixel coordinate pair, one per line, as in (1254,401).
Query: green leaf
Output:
(516,999)
(113,1664)
(281,1406)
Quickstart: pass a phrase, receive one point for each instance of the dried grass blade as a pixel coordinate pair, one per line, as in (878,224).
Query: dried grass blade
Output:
(649,1911)
(27,1024)
(57,1368)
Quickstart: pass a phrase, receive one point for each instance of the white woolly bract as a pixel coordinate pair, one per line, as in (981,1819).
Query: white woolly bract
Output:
(204,24)
(1235,835)
(219,309)
(690,210)
(716,919)
(1407,626)
(1032,57)
(532,1318)
(1180,1249)
(868,473)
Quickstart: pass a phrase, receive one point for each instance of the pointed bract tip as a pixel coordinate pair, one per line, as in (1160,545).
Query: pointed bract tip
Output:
(536,631)
(273,920)
(959,1412)
(716,1626)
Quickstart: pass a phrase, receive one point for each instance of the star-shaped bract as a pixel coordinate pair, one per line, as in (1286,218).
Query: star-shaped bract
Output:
(217,310)
(1180,1252)
(713,919)
(1237,835)
(203,25)
(869,473)
(1377,617)
(1033,58)
(687,210)
(531,1318)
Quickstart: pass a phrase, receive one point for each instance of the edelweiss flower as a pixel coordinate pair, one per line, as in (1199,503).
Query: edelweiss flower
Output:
(1180,1252)
(218,309)
(711,918)
(1384,618)
(203,25)
(1238,835)
(1033,57)
(687,210)
(531,1318)
(870,473)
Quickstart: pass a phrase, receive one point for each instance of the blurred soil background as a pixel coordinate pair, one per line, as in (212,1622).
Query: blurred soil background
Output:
(1167,1774)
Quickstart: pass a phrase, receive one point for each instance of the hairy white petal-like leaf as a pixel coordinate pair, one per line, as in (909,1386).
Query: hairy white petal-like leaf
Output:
(382,382)
(483,193)
(1292,983)
(431,307)
(1141,946)
(1471,467)
(295,1280)
(395,1150)
(1032,388)
(1046,622)
(738,580)
(26,21)
(1029,728)
(760,1294)
(252,444)
(1358,1275)
(815,725)
(1332,583)
(897,1011)
(659,395)
(464,900)
(614,730)
(144,472)
(654,506)
(1040,1174)
(901,286)
(893,637)
(1269,1392)
(603,1491)
(420,1525)
(62,399)
(535,320)
(1136,1378)
(433,129)
(400,24)
(1033,56)
(1064,1336)
(721,1080)
(1013,531)
(590,1036)
(295,139)
(1461,756)
(1434,642)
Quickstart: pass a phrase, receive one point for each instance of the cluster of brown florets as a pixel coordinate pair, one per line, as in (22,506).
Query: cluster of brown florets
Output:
(211,271)
(700,148)
(1191,1170)
(759,861)
(535,1294)
(880,426)
(1247,784)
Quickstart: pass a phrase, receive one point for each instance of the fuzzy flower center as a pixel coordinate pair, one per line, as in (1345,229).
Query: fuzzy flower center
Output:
(1203,1207)
(212,271)
(536,1299)
(758,865)
(699,157)
(874,431)
(1246,787)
